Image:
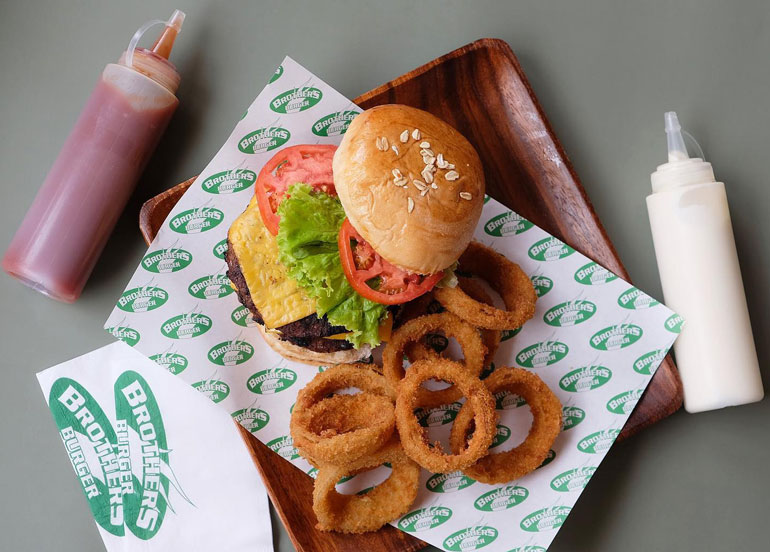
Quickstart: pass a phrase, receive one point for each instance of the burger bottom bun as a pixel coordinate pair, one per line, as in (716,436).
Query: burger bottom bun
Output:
(295,353)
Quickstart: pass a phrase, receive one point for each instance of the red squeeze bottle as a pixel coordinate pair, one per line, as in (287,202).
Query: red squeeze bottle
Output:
(65,230)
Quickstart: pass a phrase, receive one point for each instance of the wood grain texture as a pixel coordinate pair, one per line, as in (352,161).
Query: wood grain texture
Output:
(481,90)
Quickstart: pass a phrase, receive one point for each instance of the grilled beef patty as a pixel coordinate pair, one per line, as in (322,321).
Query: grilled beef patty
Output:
(308,332)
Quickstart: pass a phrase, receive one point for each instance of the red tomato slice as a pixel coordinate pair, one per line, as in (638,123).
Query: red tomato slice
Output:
(362,264)
(310,164)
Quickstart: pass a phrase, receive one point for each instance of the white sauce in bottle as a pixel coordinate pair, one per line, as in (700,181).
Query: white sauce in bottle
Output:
(701,279)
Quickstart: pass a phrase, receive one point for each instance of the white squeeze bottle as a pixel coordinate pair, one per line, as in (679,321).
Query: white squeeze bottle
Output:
(701,278)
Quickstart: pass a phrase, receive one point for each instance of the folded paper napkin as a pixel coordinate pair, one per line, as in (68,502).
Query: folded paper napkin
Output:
(161,466)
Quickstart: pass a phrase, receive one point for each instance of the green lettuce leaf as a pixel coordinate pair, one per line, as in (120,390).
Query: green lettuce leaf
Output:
(307,245)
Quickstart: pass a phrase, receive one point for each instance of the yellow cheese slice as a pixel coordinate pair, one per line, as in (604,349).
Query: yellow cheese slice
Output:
(277,297)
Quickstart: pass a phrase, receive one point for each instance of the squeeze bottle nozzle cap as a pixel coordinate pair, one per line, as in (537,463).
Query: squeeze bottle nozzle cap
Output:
(677,151)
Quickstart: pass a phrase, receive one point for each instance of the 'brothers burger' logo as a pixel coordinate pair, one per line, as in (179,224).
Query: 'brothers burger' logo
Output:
(624,402)
(598,442)
(334,124)
(228,182)
(549,249)
(617,337)
(253,419)
(424,519)
(284,446)
(647,363)
(542,354)
(635,299)
(592,274)
(164,261)
(501,498)
(274,380)
(437,416)
(173,362)
(186,326)
(507,224)
(543,284)
(572,480)
(569,313)
(585,378)
(215,390)
(448,482)
(195,221)
(471,538)
(211,286)
(231,353)
(674,323)
(220,249)
(243,317)
(296,100)
(264,139)
(126,334)
(546,519)
(571,416)
(142,299)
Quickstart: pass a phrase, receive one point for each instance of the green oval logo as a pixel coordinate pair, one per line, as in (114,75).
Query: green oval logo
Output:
(571,416)
(507,224)
(125,334)
(438,416)
(276,75)
(264,139)
(424,519)
(505,400)
(268,382)
(543,284)
(648,362)
(79,417)
(624,403)
(253,419)
(549,249)
(542,354)
(220,249)
(173,362)
(501,498)
(569,313)
(471,538)
(598,442)
(296,100)
(585,378)
(572,480)
(211,286)
(186,326)
(593,274)
(215,390)
(635,299)
(163,261)
(529,548)
(674,323)
(546,519)
(242,316)
(195,221)
(231,353)
(284,446)
(505,335)
(229,182)
(334,124)
(448,482)
(616,337)
(135,403)
(486,198)
(142,299)
(501,436)
(548,459)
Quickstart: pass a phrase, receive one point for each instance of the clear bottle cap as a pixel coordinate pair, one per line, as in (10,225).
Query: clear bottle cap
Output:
(681,169)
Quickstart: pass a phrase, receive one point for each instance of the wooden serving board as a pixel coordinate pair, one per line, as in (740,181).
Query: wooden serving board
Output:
(481,90)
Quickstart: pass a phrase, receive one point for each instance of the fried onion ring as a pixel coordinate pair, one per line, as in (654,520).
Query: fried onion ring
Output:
(413,331)
(361,513)
(413,436)
(321,435)
(505,276)
(343,428)
(502,467)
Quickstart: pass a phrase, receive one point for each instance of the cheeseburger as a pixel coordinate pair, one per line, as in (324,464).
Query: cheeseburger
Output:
(337,237)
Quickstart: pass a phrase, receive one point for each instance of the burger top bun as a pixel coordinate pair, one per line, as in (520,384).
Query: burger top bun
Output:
(411,185)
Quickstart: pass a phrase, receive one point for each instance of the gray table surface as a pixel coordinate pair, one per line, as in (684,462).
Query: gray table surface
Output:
(604,70)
